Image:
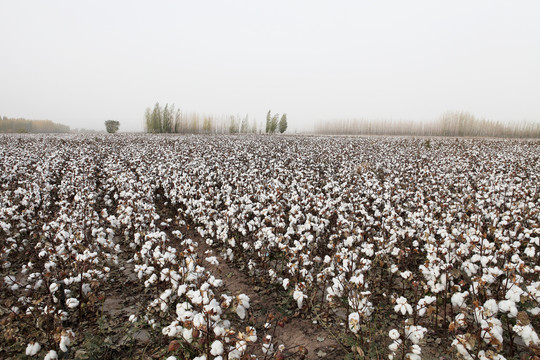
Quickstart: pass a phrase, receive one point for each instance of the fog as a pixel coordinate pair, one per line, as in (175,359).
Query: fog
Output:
(81,63)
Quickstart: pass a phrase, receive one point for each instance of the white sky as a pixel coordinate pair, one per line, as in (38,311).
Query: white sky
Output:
(82,62)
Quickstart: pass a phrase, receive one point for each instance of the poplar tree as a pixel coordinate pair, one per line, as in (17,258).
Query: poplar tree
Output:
(268,121)
(283,123)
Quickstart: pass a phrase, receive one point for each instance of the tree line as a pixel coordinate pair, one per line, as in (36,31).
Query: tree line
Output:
(451,123)
(272,123)
(20,125)
(170,119)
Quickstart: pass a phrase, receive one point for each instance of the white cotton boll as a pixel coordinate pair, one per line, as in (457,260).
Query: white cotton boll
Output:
(187,334)
(402,306)
(171,358)
(195,296)
(182,289)
(394,334)
(241,312)
(393,347)
(406,274)
(527,333)
(299,297)
(64,343)
(354,322)
(51,355)
(132,318)
(199,320)
(491,308)
(33,348)
(285,283)
(243,299)
(53,287)
(219,330)
(163,306)
(72,303)
(458,299)
(268,348)
(415,333)
(9,280)
(514,293)
(86,288)
(216,348)
(357,280)
(530,251)
(165,295)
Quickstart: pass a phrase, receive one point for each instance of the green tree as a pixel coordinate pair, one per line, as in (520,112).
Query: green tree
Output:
(283,123)
(178,121)
(148,119)
(268,121)
(156,119)
(244,127)
(274,123)
(166,119)
(233,125)
(112,126)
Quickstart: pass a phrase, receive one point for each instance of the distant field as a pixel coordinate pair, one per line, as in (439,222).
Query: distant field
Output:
(280,247)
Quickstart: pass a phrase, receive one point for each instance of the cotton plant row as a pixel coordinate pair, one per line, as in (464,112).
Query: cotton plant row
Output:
(187,303)
(445,236)
(62,256)
(400,221)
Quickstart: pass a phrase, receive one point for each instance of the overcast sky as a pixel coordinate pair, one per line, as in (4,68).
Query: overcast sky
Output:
(82,62)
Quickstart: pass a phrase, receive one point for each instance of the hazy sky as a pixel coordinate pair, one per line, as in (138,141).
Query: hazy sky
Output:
(83,62)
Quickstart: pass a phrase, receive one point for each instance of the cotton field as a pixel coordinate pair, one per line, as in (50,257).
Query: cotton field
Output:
(269,247)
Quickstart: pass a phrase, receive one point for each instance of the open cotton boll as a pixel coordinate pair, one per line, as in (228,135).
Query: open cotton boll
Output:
(490,307)
(394,334)
(527,333)
(458,299)
(33,348)
(393,347)
(241,312)
(299,297)
(51,355)
(64,343)
(216,348)
(415,333)
(285,283)
(402,306)
(354,322)
(72,303)
(53,287)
